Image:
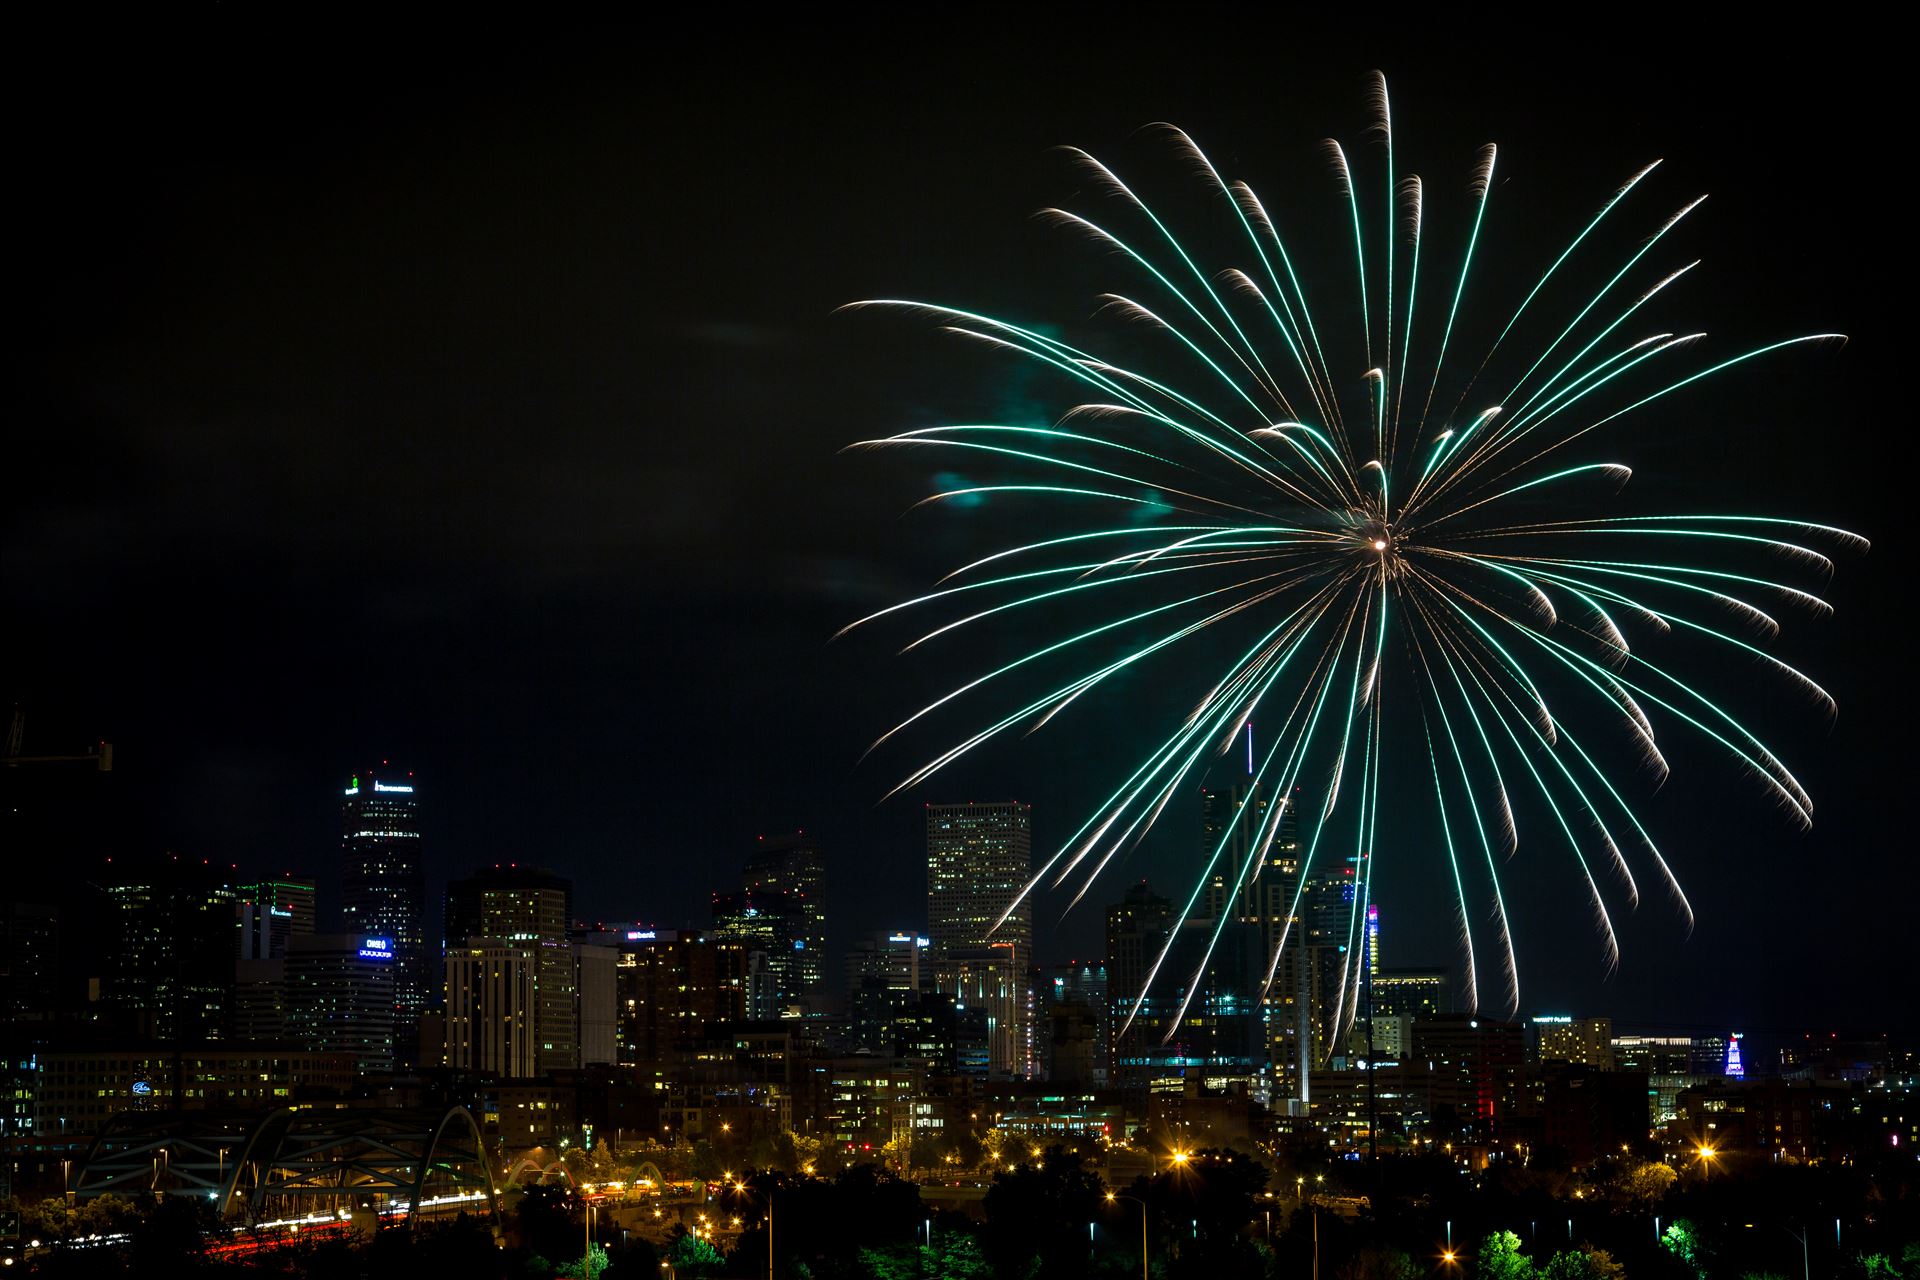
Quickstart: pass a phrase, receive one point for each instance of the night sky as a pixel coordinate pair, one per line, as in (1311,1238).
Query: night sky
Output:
(478,405)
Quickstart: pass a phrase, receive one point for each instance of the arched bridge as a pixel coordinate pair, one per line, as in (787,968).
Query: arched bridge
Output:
(298,1161)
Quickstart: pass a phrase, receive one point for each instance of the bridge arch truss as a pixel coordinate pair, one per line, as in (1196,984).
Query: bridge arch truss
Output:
(293,1163)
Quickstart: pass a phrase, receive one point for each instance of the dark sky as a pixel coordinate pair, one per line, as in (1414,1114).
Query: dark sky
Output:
(476,404)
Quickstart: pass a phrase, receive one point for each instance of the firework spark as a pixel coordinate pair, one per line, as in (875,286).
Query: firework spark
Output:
(1371,546)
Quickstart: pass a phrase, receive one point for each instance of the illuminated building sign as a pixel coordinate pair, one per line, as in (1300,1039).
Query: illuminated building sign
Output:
(376,949)
(353,788)
(1736,1069)
(640,935)
(141,1088)
(1554,1018)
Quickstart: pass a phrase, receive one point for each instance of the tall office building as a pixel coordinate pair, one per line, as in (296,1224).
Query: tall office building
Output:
(770,927)
(596,1003)
(979,859)
(1137,929)
(1474,1067)
(989,982)
(289,897)
(170,949)
(672,990)
(895,959)
(1401,996)
(532,908)
(1560,1037)
(886,975)
(1076,1016)
(1333,962)
(792,865)
(340,996)
(1411,993)
(1241,827)
(29,961)
(493,1007)
(383,891)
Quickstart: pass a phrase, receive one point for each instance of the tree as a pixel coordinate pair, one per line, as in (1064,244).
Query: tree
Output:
(1501,1259)
(1041,1214)
(1586,1263)
(693,1256)
(596,1262)
(1682,1242)
(1645,1184)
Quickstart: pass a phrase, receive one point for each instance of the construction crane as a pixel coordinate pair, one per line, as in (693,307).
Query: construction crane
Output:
(100,755)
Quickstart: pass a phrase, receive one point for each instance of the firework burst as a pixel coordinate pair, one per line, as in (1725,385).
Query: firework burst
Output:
(1373,540)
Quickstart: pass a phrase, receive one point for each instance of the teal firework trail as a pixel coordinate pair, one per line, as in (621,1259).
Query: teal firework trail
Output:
(1257,504)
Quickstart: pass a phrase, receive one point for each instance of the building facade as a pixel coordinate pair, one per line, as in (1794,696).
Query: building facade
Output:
(792,865)
(531,908)
(383,890)
(493,1007)
(340,997)
(979,859)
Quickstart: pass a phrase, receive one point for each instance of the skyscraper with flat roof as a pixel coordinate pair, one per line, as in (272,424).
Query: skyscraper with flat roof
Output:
(382,888)
(791,864)
(528,908)
(1255,845)
(170,949)
(979,859)
(770,926)
(493,1007)
(1137,929)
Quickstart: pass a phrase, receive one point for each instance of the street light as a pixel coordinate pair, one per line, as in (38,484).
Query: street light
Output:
(1112,1198)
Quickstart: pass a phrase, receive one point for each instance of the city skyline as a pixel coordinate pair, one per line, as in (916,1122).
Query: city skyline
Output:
(607,648)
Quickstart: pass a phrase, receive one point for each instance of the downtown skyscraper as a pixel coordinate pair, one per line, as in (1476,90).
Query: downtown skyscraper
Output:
(383,889)
(529,910)
(791,864)
(979,859)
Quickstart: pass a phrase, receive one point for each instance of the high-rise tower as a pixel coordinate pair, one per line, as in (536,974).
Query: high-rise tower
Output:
(979,858)
(528,908)
(382,888)
(792,865)
(1137,929)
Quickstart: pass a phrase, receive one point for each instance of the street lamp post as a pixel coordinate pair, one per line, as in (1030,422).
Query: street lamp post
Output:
(1143,1230)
